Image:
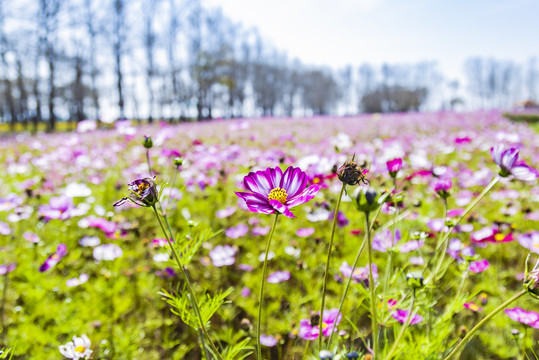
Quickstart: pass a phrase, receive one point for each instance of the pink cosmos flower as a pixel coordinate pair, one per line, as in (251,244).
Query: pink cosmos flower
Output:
(361,274)
(384,240)
(223,255)
(107,252)
(278,276)
(268,340)
(473,306)
(4,228)
(7,268)
(479,266)
(305,232)
(54,259)
(330,321)
(59,207)
(442,187)
(507,160)
(530,241)
(393,166)
(530,318)
(30,237)
(237,231)
(274,191)
(401,316)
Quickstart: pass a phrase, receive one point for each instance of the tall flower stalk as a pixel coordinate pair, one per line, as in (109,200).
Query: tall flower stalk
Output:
(273,192)
(444,240)
(472,332)
(372,291)
(262,283)
(349,280)
(349,174)
(196,308)
(368,200)
(403,328)
(328,259)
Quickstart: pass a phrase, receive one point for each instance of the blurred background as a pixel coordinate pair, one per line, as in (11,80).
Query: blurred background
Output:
(177,60)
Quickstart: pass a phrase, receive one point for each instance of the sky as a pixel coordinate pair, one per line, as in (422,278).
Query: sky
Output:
(341,32)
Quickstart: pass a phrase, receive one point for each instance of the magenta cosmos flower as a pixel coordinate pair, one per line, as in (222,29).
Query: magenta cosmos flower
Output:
(309,331)
(507,160)
(393,166)
(274,191)
(530,318)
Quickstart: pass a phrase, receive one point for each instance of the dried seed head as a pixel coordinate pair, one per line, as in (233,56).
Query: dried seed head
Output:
(351,174)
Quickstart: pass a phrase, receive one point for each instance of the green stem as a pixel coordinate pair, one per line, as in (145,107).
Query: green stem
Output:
(262,283)
(148,161)
(445,243)
(3,309)
(466,212)
(372,289)
(403,328)
(482,322)
(164,209)
(349,281)
(390,255)
(333,226)
(308,342)
(187,282)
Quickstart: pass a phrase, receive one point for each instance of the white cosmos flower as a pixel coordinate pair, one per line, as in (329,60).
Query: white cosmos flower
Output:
(79,348)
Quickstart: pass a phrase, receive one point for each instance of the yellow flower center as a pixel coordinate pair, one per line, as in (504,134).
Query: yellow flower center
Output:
(80,349)
(473,307)
(278,194)
(142,187)
(316,180)
(499,237)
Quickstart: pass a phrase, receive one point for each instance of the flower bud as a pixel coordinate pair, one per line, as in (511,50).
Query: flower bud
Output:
(351,174)
(417,235)
(531,283)
(147,142)
(368,199)
(325,355)
(415,281)
(178,161)
(393,167)
(442,187)
(353,355)
(515,334)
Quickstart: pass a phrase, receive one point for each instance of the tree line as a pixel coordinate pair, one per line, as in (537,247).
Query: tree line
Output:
(177,60)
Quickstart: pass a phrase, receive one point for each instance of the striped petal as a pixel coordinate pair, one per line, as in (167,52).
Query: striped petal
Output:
(524,173)
(259,183)
(294,181)
(496,153)
(283,209)
(305,196)
(275,176)
(509,157)
(260,208)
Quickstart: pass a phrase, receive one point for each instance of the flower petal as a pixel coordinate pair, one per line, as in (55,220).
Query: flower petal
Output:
(275,175)
(259,207)
(283,209)
(509,157)
(305,196)
(258,183)
(294,181)
(252,197)
(524,173)
(496,153)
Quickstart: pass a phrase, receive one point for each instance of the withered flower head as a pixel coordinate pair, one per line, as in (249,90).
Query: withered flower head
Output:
(351,173)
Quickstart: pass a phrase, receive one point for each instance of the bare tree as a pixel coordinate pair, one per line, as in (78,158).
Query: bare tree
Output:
(119,38)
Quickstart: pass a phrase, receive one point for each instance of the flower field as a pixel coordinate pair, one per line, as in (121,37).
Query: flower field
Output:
(158,242)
